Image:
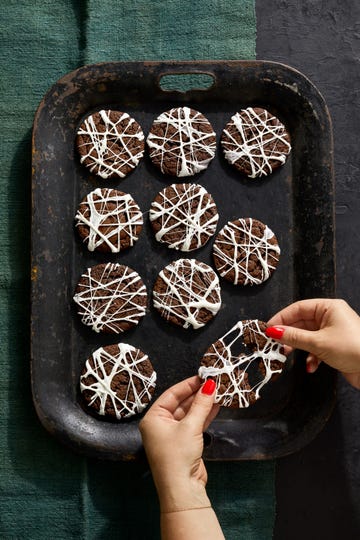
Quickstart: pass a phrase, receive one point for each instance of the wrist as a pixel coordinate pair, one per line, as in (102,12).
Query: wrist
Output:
(182,494)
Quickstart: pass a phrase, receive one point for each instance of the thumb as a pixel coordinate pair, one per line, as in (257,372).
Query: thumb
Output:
(201,406)
(297,338)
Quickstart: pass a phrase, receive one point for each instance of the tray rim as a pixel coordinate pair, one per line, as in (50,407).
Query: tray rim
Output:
(163,67)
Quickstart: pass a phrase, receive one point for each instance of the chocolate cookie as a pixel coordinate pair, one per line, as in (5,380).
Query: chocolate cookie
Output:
(181,142)
(187,293)
(255,142)
(241,363)
(246,252)
(110,143)
(118,381)
(108,220)
(184,216)
(111,298)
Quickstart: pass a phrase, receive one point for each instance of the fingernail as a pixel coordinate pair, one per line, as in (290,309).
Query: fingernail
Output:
(312,366)
(274,332)
(208,387)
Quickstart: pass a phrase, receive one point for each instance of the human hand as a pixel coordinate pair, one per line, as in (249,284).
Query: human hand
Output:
(172,433)
(329,330)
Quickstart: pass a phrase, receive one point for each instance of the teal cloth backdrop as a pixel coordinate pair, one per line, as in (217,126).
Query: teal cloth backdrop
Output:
(46,491)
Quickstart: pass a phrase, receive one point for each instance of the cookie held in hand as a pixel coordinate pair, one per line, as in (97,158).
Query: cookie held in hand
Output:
(232,360)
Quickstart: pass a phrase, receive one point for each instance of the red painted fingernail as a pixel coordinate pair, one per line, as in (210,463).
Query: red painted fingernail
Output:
(208,387)
(309,367)
(274,332)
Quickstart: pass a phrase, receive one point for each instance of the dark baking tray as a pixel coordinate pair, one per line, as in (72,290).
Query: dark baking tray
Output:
(296,202)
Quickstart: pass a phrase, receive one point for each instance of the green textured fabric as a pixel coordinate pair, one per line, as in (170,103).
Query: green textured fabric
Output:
(46,491)
(173,30)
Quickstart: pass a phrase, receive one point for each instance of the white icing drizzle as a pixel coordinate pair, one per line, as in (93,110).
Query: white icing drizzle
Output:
(237,258)
(98,297)
(235,367)
(186,144)
(123,218)
(127,360)
(111,144)
(184,296)
(255,146)
(181,216)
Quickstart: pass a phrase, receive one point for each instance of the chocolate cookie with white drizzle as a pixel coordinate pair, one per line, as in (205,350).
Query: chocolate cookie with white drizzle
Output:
(183,216)
(110,143)
(111,298)
(118,381)
(255,142)
(181,142)
(246,252)
(230,359)
(108,220)
(187,293)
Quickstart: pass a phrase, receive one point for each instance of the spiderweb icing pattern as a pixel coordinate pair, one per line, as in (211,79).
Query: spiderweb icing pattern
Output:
(106,366)
(237,256)
(235,368)
(261,134)
(185,139)
(112,216)
(117,149)
(188,216)
(190,288)
(115,298)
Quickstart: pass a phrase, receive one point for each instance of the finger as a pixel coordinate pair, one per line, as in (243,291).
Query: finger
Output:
(201,407)
(312,363)
(183,408)
(172,398)
(212,415)
(297,338)
(287,350)
(303,310)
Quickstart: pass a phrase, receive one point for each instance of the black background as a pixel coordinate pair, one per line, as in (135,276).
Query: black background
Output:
(318,488)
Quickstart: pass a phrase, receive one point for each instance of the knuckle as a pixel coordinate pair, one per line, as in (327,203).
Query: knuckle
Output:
(309,340)
(292,337)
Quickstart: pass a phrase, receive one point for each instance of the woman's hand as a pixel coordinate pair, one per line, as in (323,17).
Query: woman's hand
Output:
(172,432)
(329,330)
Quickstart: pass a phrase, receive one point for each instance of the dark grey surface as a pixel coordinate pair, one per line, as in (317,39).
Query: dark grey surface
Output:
(318,488)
